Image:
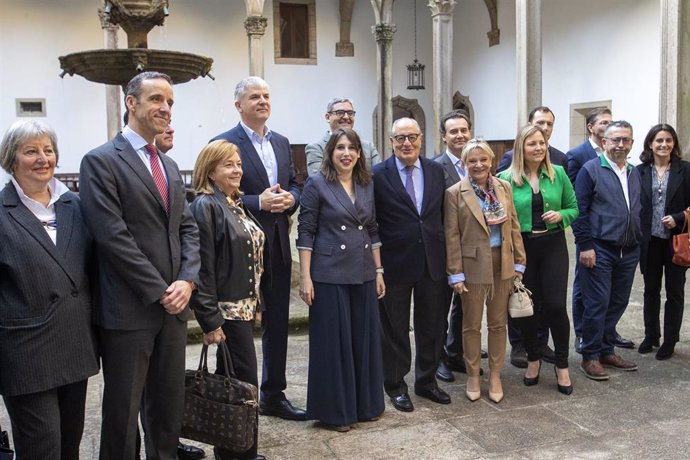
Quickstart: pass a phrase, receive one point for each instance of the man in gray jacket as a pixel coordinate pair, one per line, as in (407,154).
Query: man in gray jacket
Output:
(339,114)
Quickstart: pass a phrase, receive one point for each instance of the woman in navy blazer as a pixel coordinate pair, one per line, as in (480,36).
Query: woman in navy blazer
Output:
(665,180)
(47,342)
(341,279)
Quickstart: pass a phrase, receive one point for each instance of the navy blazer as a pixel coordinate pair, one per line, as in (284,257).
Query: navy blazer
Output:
(46,337)
(340,233)
(577,157)
(255,181)
(412,242)
(450,173)
(142,248)
(677,200)
(556,156)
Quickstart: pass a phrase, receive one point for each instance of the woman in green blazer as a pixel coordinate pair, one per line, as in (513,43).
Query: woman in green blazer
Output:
(545,203)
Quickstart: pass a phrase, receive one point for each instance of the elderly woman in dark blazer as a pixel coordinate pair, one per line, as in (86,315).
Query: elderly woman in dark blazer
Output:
(484,255)
(47,346)
(341,279)
(665,180)
(227,299)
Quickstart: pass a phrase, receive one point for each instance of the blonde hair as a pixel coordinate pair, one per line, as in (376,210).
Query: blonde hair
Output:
(213,154)
(477,144)
(517,167)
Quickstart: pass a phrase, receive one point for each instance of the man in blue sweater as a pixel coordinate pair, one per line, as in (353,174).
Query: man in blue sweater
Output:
(607,233)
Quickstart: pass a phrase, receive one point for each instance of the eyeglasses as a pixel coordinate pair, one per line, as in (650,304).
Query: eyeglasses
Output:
(400,139)
(342,113)
(618,140)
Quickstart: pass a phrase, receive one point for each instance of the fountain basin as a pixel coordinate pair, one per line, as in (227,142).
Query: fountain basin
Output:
(118,66)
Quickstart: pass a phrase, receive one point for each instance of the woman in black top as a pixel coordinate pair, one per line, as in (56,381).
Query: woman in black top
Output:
(665,180)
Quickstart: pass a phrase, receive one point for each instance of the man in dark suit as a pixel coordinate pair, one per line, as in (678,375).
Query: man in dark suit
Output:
(271,193)
(543,117)
(408,193)
(148,264)
(456,131)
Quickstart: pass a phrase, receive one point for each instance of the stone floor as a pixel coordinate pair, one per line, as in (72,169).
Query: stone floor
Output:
(636,415)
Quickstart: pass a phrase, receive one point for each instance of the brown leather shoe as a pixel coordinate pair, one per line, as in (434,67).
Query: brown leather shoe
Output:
(613,360)
(593,369)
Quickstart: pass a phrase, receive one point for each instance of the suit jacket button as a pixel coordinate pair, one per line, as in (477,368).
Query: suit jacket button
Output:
(75,293)
(360,227)
(342,227)
(53,297)
(342,246)
(366,246)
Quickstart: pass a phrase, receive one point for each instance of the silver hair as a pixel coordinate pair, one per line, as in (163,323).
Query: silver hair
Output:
(249,82)
(399,120)
(338,100)
(618,124)
(20,132)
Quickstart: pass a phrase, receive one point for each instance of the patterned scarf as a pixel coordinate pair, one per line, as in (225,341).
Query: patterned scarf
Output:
(493,210)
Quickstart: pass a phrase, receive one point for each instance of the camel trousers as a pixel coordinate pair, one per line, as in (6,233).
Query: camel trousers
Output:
(496,300)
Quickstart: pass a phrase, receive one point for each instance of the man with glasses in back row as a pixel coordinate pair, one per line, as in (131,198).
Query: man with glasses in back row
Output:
(339,114)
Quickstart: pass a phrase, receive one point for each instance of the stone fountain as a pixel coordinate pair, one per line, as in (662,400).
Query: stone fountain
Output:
(118,66)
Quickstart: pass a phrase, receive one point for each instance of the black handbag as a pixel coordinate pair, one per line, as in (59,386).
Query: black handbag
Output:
(219,409)
(5,452)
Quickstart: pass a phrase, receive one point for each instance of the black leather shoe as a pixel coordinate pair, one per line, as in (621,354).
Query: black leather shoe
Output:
(578,344)
(436,394)
(647,345)
(565,389)
(187,452)
(665,351)
(620,342)
(547,354)
(518,356)
(530,381)
(402,402)
(443,373)
(484,354)
(282,409)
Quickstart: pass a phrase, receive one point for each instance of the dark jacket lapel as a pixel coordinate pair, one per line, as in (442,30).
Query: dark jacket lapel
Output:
(675,177)
(342,197)
(251,156)
(130,156)
(393,176)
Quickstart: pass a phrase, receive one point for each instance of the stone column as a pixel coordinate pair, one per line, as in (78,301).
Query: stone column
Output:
(442,63)
(345,47)
(528,57)
(256,27)
(113,95)
(384,59)
(674,94)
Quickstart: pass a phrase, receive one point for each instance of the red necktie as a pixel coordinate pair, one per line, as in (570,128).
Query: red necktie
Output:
(157,174)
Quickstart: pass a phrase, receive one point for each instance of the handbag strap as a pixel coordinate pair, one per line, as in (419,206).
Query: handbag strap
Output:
(686,213)
(224,354)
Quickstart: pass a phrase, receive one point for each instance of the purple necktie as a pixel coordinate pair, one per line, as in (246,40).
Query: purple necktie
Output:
(409,184)
(158,176)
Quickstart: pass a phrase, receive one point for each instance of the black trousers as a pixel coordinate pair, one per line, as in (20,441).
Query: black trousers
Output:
(658,264)
(431,299)
(546,276)
(274,326)
(48,425)
(146,364)
(453,342)
(240,342)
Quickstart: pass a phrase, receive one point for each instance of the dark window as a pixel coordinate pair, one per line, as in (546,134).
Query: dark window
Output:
(294,30)
(31,106)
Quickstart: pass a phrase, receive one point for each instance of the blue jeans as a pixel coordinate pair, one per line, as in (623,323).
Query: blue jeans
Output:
(605,294)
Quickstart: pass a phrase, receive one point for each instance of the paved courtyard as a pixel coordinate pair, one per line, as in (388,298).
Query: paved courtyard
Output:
(636,415)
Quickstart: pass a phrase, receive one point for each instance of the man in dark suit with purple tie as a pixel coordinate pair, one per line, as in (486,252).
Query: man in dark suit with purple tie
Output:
(271,194)
(408,193)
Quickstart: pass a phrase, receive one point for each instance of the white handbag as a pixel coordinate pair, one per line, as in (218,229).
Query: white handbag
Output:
(520,302)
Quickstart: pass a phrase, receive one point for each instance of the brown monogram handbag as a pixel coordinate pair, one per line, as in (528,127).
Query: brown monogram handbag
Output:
(219,409)
(681,245)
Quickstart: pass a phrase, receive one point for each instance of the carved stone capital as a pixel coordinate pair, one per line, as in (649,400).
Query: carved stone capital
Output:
(344,49)
(494,37)
(255,25)
(444,7)
(383,32)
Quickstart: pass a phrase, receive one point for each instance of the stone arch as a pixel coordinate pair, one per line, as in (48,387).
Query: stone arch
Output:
(404,107)
(463,102)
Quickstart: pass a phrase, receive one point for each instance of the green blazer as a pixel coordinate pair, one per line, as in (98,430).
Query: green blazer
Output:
(558,196)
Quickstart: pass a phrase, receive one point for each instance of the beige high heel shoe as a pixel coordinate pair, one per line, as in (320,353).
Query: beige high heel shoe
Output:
(495,389)
(473,388)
